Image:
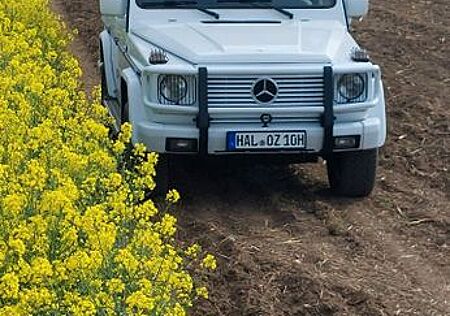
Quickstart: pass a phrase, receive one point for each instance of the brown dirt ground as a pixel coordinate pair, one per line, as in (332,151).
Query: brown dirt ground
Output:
(285,245)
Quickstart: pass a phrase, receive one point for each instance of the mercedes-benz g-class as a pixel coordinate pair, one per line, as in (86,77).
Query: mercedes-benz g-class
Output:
(255,78)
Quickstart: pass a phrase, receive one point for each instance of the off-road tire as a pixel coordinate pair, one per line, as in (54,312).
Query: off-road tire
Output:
(353,174)
(105,96)
(103,84)
(125,115)
(163,175)
(163,170)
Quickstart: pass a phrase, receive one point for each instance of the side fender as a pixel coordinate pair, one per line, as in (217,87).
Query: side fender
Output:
(382,113)
(378,113)
(107,43)
(135,98)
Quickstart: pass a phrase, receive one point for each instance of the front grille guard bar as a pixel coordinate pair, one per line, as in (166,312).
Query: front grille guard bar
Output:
(327,120)
(328,113)
(203,118)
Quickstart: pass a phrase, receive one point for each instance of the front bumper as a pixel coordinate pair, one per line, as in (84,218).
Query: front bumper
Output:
(154,135)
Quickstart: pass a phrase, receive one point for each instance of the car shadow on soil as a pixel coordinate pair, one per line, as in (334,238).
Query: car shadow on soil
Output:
(236,182)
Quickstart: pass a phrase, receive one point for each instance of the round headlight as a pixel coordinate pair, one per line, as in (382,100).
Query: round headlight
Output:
(351,87)
(173,88)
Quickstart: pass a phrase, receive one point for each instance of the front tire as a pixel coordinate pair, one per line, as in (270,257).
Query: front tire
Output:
(103,84)
(163,169)
(353,174)
(163,175)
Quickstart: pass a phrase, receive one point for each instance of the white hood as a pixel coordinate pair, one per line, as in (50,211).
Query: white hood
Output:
(288,42)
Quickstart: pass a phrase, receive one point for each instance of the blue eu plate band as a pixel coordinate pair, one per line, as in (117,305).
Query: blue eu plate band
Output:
(328,114)
(203,118)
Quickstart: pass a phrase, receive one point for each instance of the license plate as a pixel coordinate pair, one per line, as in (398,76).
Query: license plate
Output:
(266,140)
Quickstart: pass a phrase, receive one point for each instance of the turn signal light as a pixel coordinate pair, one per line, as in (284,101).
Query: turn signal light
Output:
(360,55)
(347,142)
(181,145)
(158,57)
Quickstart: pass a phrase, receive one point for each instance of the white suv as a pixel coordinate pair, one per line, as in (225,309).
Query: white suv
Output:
(256,78)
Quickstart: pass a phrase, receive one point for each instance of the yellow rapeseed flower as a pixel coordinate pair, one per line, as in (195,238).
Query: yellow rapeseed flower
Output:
(173,196)
(209,262)
(202,292)
(78,234)
(9,286)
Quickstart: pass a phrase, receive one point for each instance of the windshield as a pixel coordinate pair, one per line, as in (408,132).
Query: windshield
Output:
(224,4)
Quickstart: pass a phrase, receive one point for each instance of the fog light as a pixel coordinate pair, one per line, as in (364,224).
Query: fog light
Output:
(346,142)
(178,145)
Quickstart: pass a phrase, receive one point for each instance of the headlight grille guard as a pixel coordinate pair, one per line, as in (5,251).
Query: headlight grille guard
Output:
(345,78)
(189,97)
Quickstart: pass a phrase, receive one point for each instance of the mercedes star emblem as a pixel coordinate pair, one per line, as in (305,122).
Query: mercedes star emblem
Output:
(265,90)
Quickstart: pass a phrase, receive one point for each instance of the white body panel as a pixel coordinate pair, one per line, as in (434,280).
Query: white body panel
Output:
(287,42)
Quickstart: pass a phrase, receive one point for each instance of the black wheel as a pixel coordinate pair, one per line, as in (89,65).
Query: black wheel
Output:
(103,85)
(353,173)
(105,96)
(163,170)
(125,115)
(163,175)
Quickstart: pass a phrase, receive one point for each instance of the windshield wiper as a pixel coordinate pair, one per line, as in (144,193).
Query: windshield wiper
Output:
(290,15)
(180,3)
(170,3)
(260,4)
(209,12)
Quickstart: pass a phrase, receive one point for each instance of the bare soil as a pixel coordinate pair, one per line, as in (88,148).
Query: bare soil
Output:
(285,245)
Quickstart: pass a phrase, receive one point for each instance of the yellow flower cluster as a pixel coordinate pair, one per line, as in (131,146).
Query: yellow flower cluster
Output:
(77,234)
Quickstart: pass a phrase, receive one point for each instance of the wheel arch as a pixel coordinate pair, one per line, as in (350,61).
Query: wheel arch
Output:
(131,96)
(106,57)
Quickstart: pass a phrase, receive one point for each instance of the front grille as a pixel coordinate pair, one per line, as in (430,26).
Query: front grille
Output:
(294,91)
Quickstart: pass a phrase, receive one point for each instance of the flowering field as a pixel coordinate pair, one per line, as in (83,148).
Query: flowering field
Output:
(78,235)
